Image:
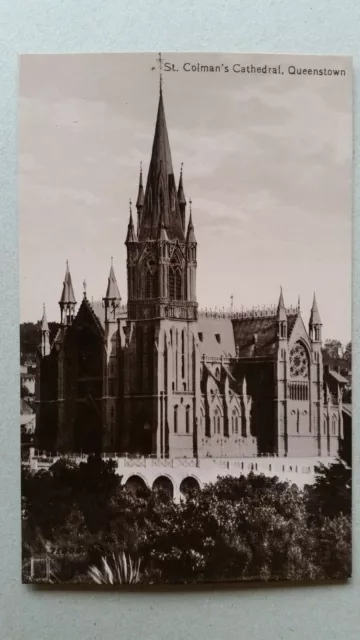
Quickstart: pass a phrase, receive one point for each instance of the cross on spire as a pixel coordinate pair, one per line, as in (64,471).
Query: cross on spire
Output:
(159,60)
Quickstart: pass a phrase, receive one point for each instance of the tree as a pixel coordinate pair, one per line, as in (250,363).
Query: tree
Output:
(333,349)
(330,495)
(347,356)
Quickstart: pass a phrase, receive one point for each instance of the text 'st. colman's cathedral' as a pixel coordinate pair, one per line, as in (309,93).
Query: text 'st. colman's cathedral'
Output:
(159,377)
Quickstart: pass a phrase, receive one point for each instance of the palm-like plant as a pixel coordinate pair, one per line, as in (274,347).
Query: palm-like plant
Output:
(119,569)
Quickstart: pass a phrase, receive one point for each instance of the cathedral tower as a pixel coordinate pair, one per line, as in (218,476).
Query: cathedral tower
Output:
(162,307)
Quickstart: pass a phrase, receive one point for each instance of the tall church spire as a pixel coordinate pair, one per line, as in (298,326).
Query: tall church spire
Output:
(67,301)
(160,193)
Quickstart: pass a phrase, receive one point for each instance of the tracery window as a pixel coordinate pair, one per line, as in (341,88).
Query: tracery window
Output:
(151,289)
(299,367)
(175,285)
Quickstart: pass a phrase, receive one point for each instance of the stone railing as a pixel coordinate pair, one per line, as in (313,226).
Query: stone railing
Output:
(240,314)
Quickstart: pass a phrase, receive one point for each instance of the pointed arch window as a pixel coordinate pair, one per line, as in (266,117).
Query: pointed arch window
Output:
(175,282)
(217,421)
(151,289)
(187,419)
(176,418)
(334,425)
(183,353)
(325,425)
(235,422)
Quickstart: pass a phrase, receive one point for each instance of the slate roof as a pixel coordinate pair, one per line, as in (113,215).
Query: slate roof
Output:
(338,377)
(98,310)
(210,345)
(255,337)
(67,295)
(112,291)
(347,408)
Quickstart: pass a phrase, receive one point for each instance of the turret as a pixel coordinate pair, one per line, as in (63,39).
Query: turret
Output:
(45,335)
(190,234)
(281,317)
(67,301)
(131,233)
(181,198)
(112,299)
(315,323)
(140,198)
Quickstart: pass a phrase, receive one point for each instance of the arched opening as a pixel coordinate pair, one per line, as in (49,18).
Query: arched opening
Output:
(325,424)
(175,288)
(217,373)
(188,486)
(151,281)
(162,484)
(235,422)
(135,484)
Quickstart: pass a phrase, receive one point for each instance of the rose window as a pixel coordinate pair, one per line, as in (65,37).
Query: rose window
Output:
(298,362)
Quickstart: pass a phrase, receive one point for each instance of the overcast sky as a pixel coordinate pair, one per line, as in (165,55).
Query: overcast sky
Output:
(267,163)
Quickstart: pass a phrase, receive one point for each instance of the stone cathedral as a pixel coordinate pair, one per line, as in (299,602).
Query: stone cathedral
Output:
(158,377)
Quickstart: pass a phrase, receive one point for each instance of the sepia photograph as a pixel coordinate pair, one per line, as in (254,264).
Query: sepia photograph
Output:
(185,318)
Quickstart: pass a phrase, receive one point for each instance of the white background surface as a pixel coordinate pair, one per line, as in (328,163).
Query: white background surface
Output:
(269,613)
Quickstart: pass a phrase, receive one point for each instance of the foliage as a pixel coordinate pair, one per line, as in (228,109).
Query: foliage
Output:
(119,569)
(236,528)
(330,496)
(30,339)
(338,353)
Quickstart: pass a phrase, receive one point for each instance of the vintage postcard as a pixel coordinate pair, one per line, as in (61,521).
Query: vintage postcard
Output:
(185,263)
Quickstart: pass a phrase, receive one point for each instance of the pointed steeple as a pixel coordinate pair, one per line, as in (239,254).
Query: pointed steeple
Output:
(45,335)
(190,235)
(314,314)
(131,233)
(281,311)
(67,296)
(315,323)
(180,193)
(44,322)
(67,301)
(140,198)
(160,192)
(181,198)
(112,291)
(112,297)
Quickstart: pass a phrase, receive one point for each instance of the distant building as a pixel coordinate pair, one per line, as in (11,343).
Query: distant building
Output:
(159,377)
